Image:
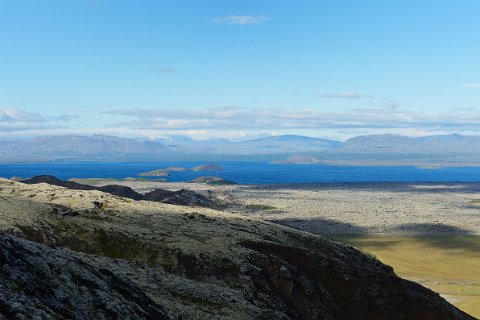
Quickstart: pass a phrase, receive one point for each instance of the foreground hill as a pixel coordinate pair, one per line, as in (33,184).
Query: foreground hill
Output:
(195,263)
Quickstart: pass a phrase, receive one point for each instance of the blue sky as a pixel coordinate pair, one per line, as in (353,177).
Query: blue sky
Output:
(239,69)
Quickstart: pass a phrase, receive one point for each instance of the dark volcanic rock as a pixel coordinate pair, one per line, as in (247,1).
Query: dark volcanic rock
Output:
(116,190)
(181,197)
(38,282)
(57,182)
(121,191)
(307,285)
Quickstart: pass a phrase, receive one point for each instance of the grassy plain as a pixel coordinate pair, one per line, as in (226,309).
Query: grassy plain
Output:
(449,265)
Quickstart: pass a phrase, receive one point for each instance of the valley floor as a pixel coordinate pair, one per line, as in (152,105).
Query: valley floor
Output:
(348,208)
(449,265)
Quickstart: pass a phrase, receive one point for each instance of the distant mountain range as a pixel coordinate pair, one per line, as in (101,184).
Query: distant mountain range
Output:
(267,145)
(280,144)
(398,143)
(385,149)
(76,147)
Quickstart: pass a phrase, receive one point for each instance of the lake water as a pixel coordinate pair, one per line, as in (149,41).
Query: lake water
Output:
(246,172)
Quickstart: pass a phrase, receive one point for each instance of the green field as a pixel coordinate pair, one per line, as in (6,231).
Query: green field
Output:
(449,265)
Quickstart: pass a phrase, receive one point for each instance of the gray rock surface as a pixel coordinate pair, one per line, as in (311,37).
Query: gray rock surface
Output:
(39,282)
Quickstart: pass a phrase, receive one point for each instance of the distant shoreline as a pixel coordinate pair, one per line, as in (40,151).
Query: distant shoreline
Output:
(326,163)
(251,173)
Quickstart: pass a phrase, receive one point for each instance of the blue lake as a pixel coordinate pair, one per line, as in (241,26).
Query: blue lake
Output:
(247,172)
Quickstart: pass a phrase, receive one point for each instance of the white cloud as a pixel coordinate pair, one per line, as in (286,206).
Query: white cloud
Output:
(471,85)
(13,115)
(239,118)
(240,20)
(66,117)
(240,122)
(12,119)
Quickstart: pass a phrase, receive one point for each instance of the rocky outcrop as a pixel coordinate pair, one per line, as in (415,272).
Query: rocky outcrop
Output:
(121,191)
(353,287)
(181,197)
(58,182)
(205,264)
(38,282)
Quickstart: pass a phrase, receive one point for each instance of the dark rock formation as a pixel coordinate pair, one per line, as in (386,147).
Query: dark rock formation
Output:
(57,182)
(309,285)
(181,197)
(121,191)
(38,282)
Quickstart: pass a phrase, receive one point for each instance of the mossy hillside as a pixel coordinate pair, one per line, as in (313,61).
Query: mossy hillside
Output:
(213,264)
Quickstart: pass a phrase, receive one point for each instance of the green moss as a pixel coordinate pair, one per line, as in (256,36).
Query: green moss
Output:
(103,242)
(153,259)
(17,286)
(168,262)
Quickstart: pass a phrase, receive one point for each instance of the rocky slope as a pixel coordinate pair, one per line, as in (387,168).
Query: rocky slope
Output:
(38,282)
(197,263)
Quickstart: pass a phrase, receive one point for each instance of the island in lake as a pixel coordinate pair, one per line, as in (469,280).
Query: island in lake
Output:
(165,172)
(155,173)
